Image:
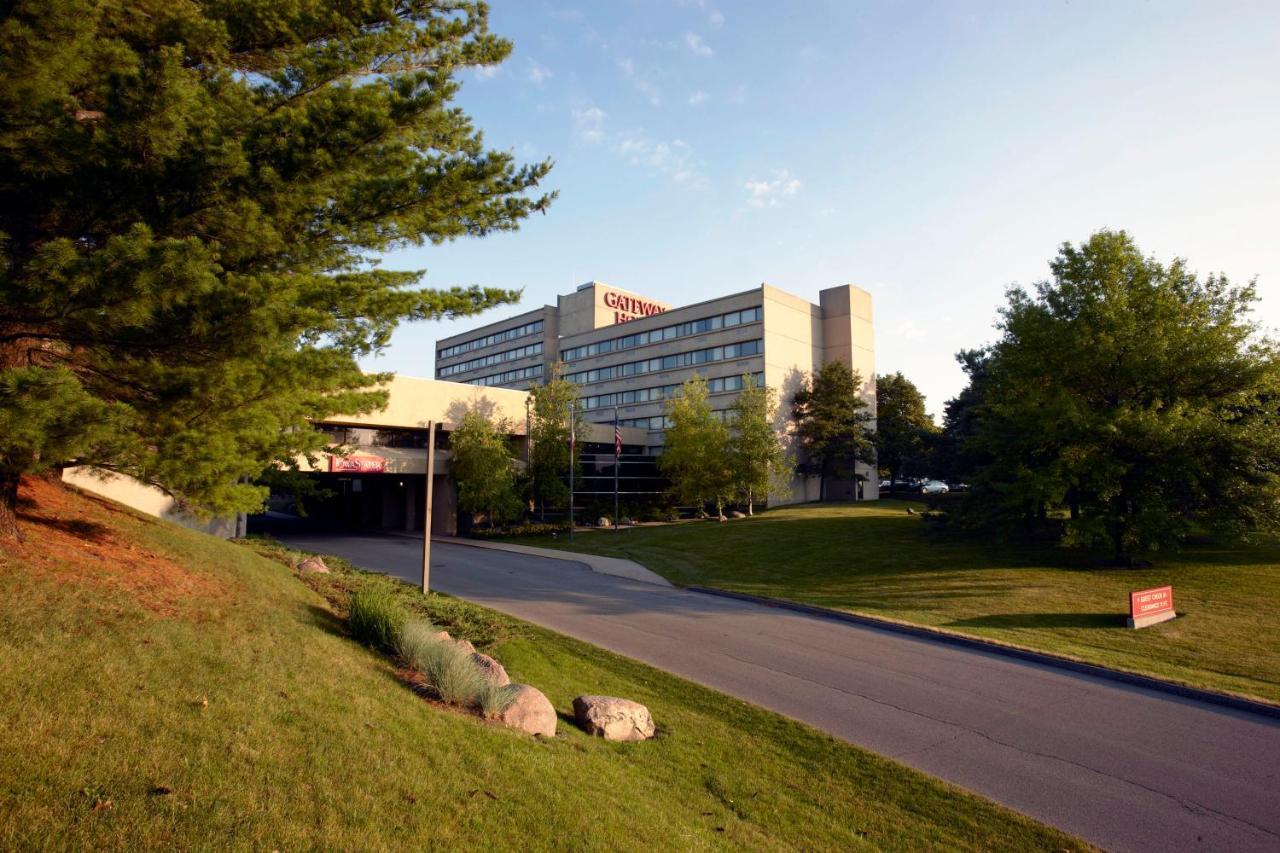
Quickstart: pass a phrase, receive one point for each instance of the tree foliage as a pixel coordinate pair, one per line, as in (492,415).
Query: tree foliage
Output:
(553,407)
(832,424)
(192,199)
(483,467)
(695,455)
(904,431)
(758,461)
(1137,396)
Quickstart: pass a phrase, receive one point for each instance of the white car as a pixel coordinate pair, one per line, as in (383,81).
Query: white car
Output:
(934,487)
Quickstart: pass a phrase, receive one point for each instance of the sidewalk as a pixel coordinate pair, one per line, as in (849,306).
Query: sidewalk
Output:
(614,566)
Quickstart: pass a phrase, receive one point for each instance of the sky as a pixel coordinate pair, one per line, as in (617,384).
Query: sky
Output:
(931,153)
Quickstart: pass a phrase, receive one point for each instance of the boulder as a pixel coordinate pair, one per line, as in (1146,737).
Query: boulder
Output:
(442,635)
(529,711)
(733,513)
(465,645)
(313,566)
(602,522)
(613,718)
(493,670)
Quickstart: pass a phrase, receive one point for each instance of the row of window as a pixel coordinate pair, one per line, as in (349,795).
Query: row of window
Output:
(496,358)
(663,422)
(532,372)
(490,340)
(639,339)
(667,362)
(662,392)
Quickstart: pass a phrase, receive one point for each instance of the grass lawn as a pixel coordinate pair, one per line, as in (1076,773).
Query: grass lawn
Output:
(160,688)
(873,558)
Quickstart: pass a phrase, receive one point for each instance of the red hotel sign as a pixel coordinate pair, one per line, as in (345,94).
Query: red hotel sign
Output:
(357,464)
(630,307)
(1149,606)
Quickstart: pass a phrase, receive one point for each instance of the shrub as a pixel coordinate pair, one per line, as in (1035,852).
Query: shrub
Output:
(447,667)
(493,699)
(376,617)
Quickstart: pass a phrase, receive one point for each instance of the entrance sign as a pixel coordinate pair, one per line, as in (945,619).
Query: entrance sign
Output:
(357,464)
(1149,606)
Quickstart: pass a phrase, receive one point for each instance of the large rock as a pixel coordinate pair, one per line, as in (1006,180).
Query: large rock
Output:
(313,566)
(529,711)
(613,718)
(493,670)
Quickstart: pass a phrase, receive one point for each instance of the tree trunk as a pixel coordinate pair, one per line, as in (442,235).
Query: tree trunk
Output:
(751,504)
(9,507)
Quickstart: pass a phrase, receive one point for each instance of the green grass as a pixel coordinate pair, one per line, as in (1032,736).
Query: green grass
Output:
(241,714)
(873,558)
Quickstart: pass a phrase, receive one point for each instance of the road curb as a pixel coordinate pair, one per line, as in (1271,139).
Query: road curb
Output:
(1183,691)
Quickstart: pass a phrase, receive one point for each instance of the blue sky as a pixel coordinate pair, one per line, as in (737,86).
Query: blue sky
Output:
(932,153)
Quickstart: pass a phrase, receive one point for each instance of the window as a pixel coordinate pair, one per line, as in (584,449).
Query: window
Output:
(491,340)
(681,330)
(488,360)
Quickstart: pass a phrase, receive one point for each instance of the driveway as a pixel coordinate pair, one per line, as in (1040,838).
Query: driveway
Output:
(1123,767)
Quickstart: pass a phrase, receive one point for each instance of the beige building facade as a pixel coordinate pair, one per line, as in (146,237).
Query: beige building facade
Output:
(629,353)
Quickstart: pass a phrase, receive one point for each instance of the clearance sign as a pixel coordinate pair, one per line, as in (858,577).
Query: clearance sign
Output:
(1149,606)
(627,307)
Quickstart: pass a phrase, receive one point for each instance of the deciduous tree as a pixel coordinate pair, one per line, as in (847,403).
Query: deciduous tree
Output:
(695,455)
(553,408)
(904,430)
(832,424)
(193,197)
(1137,395)
(484,468)
(758,460)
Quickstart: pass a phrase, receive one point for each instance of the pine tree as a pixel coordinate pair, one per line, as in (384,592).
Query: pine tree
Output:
(832,424)
(758,460)
(695,453)
(192,200)
(553,407)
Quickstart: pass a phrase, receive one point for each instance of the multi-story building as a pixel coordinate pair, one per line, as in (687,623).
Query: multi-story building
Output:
(629,353)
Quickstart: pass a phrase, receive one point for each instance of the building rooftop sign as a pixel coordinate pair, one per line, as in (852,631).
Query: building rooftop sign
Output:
(626,307)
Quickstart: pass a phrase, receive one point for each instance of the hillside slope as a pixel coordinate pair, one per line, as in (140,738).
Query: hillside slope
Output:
(162,688)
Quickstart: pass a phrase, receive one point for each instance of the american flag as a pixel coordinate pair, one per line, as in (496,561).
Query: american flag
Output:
(617,442)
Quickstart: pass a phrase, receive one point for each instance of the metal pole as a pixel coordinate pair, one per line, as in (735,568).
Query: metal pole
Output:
(426,513)
(573,439)
(617,464)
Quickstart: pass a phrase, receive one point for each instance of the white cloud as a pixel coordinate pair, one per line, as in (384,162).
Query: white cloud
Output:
(716,19)
(769,193)
(739,95)
(695,44)
(674,159)
(588,124)
(642,84)
(698,97)
(538,73)
(488,72)
(907,330)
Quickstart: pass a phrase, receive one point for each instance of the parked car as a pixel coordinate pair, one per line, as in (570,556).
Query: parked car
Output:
(934,487)
(958,487)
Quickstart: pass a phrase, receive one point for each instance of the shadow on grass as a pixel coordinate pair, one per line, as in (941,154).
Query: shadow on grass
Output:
(1042,620)
(326,621)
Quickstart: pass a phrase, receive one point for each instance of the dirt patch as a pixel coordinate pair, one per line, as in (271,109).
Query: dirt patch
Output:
(75,539)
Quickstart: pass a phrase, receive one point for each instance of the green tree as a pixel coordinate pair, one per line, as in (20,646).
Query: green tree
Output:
(955,456)
(695,454)
(193,197)
(832,424)
(482,465)
(904,431)
(553,407)
(1136,395)
(758,461)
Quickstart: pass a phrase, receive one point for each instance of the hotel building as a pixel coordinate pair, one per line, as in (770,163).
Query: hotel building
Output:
(630,352)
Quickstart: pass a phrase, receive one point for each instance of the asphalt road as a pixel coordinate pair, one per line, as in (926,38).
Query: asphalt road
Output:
(1125,768)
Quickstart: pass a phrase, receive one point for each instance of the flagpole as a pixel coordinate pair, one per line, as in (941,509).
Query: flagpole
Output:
(572,441)
(617,464)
